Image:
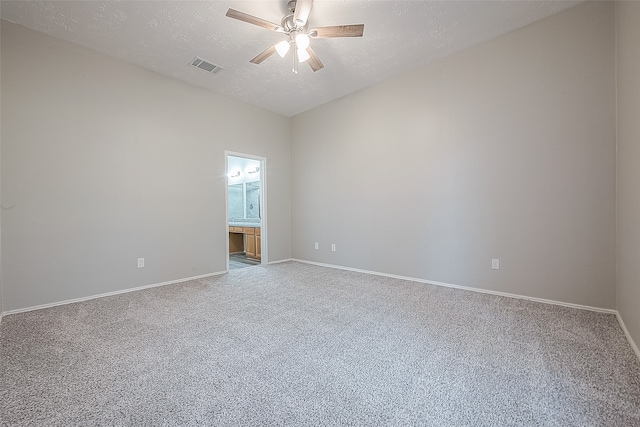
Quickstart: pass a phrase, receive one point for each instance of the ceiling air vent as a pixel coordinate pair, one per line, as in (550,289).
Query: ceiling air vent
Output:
(206,66)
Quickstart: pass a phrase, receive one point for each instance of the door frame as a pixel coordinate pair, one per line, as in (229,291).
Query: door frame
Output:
(264,257)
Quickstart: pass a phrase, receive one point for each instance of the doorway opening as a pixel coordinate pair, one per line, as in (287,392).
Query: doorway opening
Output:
(246,210)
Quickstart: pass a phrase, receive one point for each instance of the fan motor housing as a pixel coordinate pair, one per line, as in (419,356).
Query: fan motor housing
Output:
(289,24)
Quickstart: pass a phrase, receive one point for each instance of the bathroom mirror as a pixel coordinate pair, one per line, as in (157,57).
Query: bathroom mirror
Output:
(235,200)
(252,197)
(244,200)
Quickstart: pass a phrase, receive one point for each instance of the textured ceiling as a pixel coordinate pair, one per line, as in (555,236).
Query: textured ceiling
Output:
(165,36)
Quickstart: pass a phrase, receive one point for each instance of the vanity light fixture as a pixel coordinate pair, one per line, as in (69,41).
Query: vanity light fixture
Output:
(234,174)
(254,170)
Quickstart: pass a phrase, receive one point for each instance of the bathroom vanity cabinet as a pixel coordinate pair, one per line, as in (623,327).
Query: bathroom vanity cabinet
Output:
(245,239)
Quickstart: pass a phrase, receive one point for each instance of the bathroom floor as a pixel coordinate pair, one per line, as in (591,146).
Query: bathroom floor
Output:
(240,260)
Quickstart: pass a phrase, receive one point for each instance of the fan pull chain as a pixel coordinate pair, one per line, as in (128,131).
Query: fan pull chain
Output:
(295,59)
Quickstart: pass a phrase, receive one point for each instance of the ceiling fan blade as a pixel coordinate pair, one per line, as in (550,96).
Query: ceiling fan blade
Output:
(355,30)
(241,16)
(313,60)
(264,54)
(301,13)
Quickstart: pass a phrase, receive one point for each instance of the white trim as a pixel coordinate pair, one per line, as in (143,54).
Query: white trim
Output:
(226,210)
(108,294)
(466,288)
(280,261)
(264,230)
(632,343)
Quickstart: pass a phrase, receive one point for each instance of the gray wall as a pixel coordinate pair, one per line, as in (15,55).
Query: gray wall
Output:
(104,162)
(506,150)
(628,272)
(1,281)
(503,151)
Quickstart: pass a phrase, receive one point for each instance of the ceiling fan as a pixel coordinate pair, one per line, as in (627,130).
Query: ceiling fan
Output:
(296,26)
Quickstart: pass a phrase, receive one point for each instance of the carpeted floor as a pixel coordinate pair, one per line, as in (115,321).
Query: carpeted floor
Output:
(297,344)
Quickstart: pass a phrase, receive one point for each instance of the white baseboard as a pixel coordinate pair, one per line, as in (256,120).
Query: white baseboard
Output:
(465,288)
(632,343)
(280,261)
(107,294)
(139,288)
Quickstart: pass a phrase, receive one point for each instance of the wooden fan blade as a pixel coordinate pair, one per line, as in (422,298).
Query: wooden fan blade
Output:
(241,16)
(301,14)
(355,30)
(264,54)
(313,60)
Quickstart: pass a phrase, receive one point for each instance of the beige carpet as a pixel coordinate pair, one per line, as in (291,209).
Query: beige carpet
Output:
(296,344)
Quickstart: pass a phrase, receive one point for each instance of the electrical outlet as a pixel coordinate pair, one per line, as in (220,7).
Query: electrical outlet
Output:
(495,264)
(333,247)
(140,262)
(317,245)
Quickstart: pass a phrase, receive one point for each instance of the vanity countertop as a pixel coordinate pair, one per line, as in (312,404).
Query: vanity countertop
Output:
(244,224)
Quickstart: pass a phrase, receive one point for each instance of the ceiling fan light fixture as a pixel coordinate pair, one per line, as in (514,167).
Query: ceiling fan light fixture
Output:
(302,41)
(296,26)
(282,48)
(303,55)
